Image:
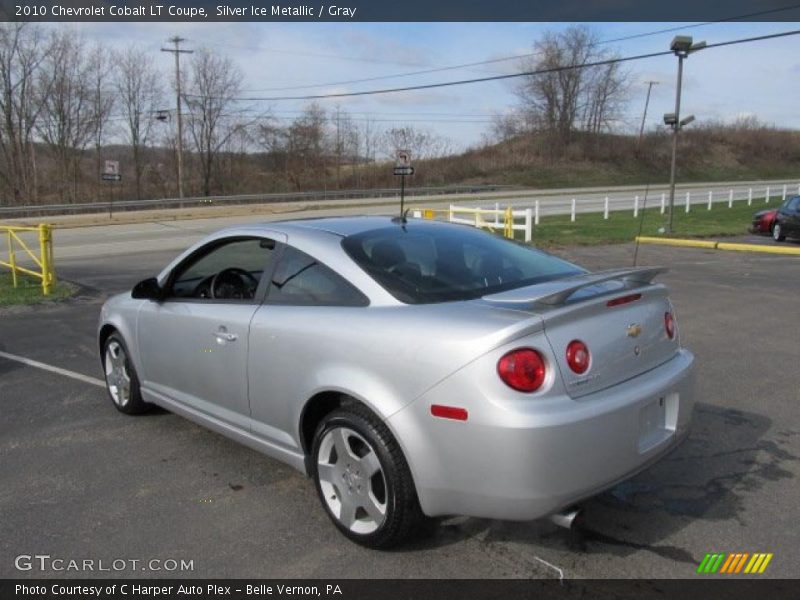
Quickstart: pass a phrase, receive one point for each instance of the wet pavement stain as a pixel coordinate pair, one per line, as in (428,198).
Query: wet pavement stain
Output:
(579,539)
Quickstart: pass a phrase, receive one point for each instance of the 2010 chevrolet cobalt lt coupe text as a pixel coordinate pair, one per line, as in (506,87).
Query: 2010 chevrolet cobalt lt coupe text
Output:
(412,369)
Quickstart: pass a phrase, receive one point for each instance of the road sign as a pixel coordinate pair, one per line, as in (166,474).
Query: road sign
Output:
(111,177)
(111,167)
(403,158)
(404,170)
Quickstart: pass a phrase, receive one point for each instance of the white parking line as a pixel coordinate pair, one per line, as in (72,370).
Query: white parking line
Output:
(52,369)
(552,566)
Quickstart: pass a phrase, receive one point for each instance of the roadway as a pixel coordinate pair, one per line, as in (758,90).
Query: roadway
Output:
(165,231)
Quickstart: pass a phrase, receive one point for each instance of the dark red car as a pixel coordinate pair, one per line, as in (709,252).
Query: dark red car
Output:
(763,221)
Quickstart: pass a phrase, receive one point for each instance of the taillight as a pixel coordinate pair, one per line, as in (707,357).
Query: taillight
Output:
(624,300)
(578,356)
(522,369)
(669,325)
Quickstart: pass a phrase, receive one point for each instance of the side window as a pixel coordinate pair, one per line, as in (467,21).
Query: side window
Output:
(230,270)
(301,280)
(794,204)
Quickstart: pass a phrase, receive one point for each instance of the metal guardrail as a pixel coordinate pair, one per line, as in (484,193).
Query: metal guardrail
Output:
(10,212)
(44,260)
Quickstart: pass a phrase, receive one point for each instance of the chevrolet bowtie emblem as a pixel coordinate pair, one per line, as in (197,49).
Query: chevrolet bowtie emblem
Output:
(633,330)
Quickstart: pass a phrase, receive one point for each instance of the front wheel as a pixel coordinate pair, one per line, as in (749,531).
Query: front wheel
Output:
(363,480)
(777,233)
(122,383)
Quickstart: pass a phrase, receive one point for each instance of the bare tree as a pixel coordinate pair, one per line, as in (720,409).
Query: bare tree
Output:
(69,115)
(345,141)
(370,137)
(139,90)
(421,144)
(307,146)
(565,99)
(22,50)
(214,83)
(606,96)
(99,70)
(505,127)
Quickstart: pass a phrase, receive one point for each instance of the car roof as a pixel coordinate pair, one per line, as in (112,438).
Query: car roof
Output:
(338,226)
(342,226)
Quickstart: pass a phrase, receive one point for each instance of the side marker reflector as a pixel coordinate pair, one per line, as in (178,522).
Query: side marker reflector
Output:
(449,412)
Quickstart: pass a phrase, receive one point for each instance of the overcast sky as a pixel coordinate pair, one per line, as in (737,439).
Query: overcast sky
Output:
(761,79)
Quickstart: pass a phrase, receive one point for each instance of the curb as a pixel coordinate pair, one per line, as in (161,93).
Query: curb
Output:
(677,242)
(735,247)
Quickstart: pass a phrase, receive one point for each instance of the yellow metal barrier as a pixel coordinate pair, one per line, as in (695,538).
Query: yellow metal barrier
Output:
(473,216)
(44,261)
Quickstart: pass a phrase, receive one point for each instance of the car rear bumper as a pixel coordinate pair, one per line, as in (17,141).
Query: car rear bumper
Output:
(525,461)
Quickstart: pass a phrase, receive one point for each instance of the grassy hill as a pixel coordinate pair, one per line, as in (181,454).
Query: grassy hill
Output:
(710,154)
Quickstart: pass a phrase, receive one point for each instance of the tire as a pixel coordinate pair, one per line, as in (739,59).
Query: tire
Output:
(122,382)
(777,233)
(369,495)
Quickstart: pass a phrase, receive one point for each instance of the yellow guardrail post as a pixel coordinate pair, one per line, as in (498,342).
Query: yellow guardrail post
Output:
(509,223)
(46,253)
(44,261)
(12,259)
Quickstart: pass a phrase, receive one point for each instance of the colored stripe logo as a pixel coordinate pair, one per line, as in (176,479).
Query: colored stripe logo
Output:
(734,562)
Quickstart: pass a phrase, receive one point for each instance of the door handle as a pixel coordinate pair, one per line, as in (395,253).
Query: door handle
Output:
(222,335)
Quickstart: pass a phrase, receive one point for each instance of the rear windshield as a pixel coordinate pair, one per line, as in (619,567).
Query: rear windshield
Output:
(423,262)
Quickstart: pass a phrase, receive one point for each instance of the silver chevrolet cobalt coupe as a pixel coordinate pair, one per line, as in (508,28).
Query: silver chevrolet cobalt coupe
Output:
(412,369)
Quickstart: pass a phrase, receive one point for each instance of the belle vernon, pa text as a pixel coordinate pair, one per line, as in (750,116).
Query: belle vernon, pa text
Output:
(192,12)
(211,589)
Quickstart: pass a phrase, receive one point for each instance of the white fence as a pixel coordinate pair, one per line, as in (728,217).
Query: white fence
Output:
(606,204)
(524,216)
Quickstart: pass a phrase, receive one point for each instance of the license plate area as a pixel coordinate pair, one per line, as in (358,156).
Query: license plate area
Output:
(657,420)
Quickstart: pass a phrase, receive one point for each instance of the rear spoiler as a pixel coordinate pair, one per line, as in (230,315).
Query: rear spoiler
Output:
(557,292)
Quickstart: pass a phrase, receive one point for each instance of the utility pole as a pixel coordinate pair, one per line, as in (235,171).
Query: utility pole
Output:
(177,51)
(650,85)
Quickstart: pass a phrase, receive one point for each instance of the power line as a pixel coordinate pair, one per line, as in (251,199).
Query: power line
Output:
(515,57)
(510,75)
(317,54)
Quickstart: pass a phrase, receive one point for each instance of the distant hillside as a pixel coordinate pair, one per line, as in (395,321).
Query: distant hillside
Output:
(707,154)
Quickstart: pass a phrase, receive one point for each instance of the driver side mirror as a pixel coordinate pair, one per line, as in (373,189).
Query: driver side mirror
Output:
(147,289)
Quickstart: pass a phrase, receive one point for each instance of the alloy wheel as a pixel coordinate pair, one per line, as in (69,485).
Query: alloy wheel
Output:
(117,378)
(352,480)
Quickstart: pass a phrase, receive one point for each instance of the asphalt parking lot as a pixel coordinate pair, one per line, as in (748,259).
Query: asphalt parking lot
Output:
(82,481)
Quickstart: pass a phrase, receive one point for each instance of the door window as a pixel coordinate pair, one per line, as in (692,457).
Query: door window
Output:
(229,270)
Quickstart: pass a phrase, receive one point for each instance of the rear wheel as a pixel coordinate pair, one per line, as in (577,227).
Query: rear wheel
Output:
(777,233)
(122,382)
(363,480)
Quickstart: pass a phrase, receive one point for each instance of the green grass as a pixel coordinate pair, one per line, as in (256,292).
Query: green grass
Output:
(28,290)
(591,229)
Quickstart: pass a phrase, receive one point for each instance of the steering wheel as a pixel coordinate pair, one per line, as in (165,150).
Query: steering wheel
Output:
(233,282)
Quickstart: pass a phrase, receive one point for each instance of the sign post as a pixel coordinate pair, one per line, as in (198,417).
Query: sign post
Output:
(402,169)
(111,174)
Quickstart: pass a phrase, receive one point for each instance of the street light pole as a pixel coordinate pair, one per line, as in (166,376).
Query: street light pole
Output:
(676,127)
(682,46)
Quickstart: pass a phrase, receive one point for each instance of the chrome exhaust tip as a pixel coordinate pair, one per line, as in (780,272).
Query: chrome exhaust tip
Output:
(567,519)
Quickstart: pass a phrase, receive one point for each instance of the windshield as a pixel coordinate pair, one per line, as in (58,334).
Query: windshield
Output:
(423,262)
